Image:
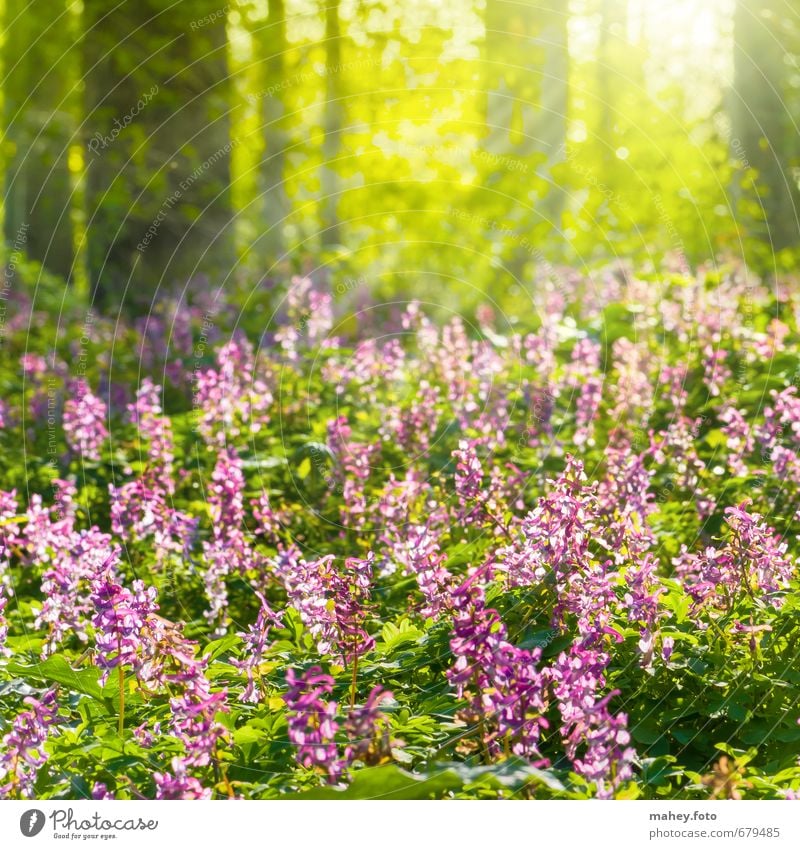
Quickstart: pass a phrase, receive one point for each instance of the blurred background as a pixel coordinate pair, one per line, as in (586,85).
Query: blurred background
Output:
(441,147)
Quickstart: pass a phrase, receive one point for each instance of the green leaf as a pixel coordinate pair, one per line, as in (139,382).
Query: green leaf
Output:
(391,782)
(56,670)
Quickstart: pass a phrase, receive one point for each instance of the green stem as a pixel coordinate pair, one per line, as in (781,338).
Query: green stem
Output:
(121,699)
(353,682)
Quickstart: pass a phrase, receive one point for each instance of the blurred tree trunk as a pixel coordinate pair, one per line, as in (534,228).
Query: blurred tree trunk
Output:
(272,189)
(527,97)
(613,24)
(39,70)
(333,125)
(158,135)
(763,133)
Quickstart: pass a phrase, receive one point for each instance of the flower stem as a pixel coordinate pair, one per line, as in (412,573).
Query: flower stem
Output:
(121,699)
(353,682)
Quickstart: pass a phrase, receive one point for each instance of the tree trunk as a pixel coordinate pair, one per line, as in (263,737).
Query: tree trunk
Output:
(762,135)
(526,80)
(272,190)
(159,147)
(333,125)
(613,23)
(39,70)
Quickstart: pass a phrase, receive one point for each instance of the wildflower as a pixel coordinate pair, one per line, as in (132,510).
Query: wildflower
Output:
(179,784)
(367,730)
(101,792)
(194,712)
(84,421)
(24,752)
(312,721)
(596,742)
(120,623)
(507,696)
(255,643)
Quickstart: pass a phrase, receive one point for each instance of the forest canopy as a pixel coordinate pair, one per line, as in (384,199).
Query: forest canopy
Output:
(413,144)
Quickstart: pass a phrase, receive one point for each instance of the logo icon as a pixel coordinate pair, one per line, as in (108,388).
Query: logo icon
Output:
(31,822)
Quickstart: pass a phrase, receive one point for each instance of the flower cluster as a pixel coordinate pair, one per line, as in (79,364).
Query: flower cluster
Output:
(84,421)
(24,752)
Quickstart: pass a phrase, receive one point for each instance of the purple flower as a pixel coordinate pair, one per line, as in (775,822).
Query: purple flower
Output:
(194,711)
(24,752)
(595,741)
(752,560)
(232,398)
(228,551)
(469,473)
(84,421)
(255,643)
(120,623)
(507,695)
(101,792)
(77,558)
(332,602)
(179,784)
(312,721)
(367,730)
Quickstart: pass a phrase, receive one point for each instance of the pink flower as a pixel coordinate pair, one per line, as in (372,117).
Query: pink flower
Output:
(23,746)
(312,721)
(84,421)
(179,784)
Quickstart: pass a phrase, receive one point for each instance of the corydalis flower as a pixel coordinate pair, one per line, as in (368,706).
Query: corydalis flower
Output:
(350,589)
(642,592)
(179,784)
(740,439)
(753,560)
(24,752)
(715,372)
(367,729)
(312,721)
(155,429)
(101,792)
(78,558)
(556,533)
(255,642)
(84,421)
(141,509)
(228,551)
(231,398)
(120,623)
(596,741)
(469,473)
(507,695)
(332,602)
